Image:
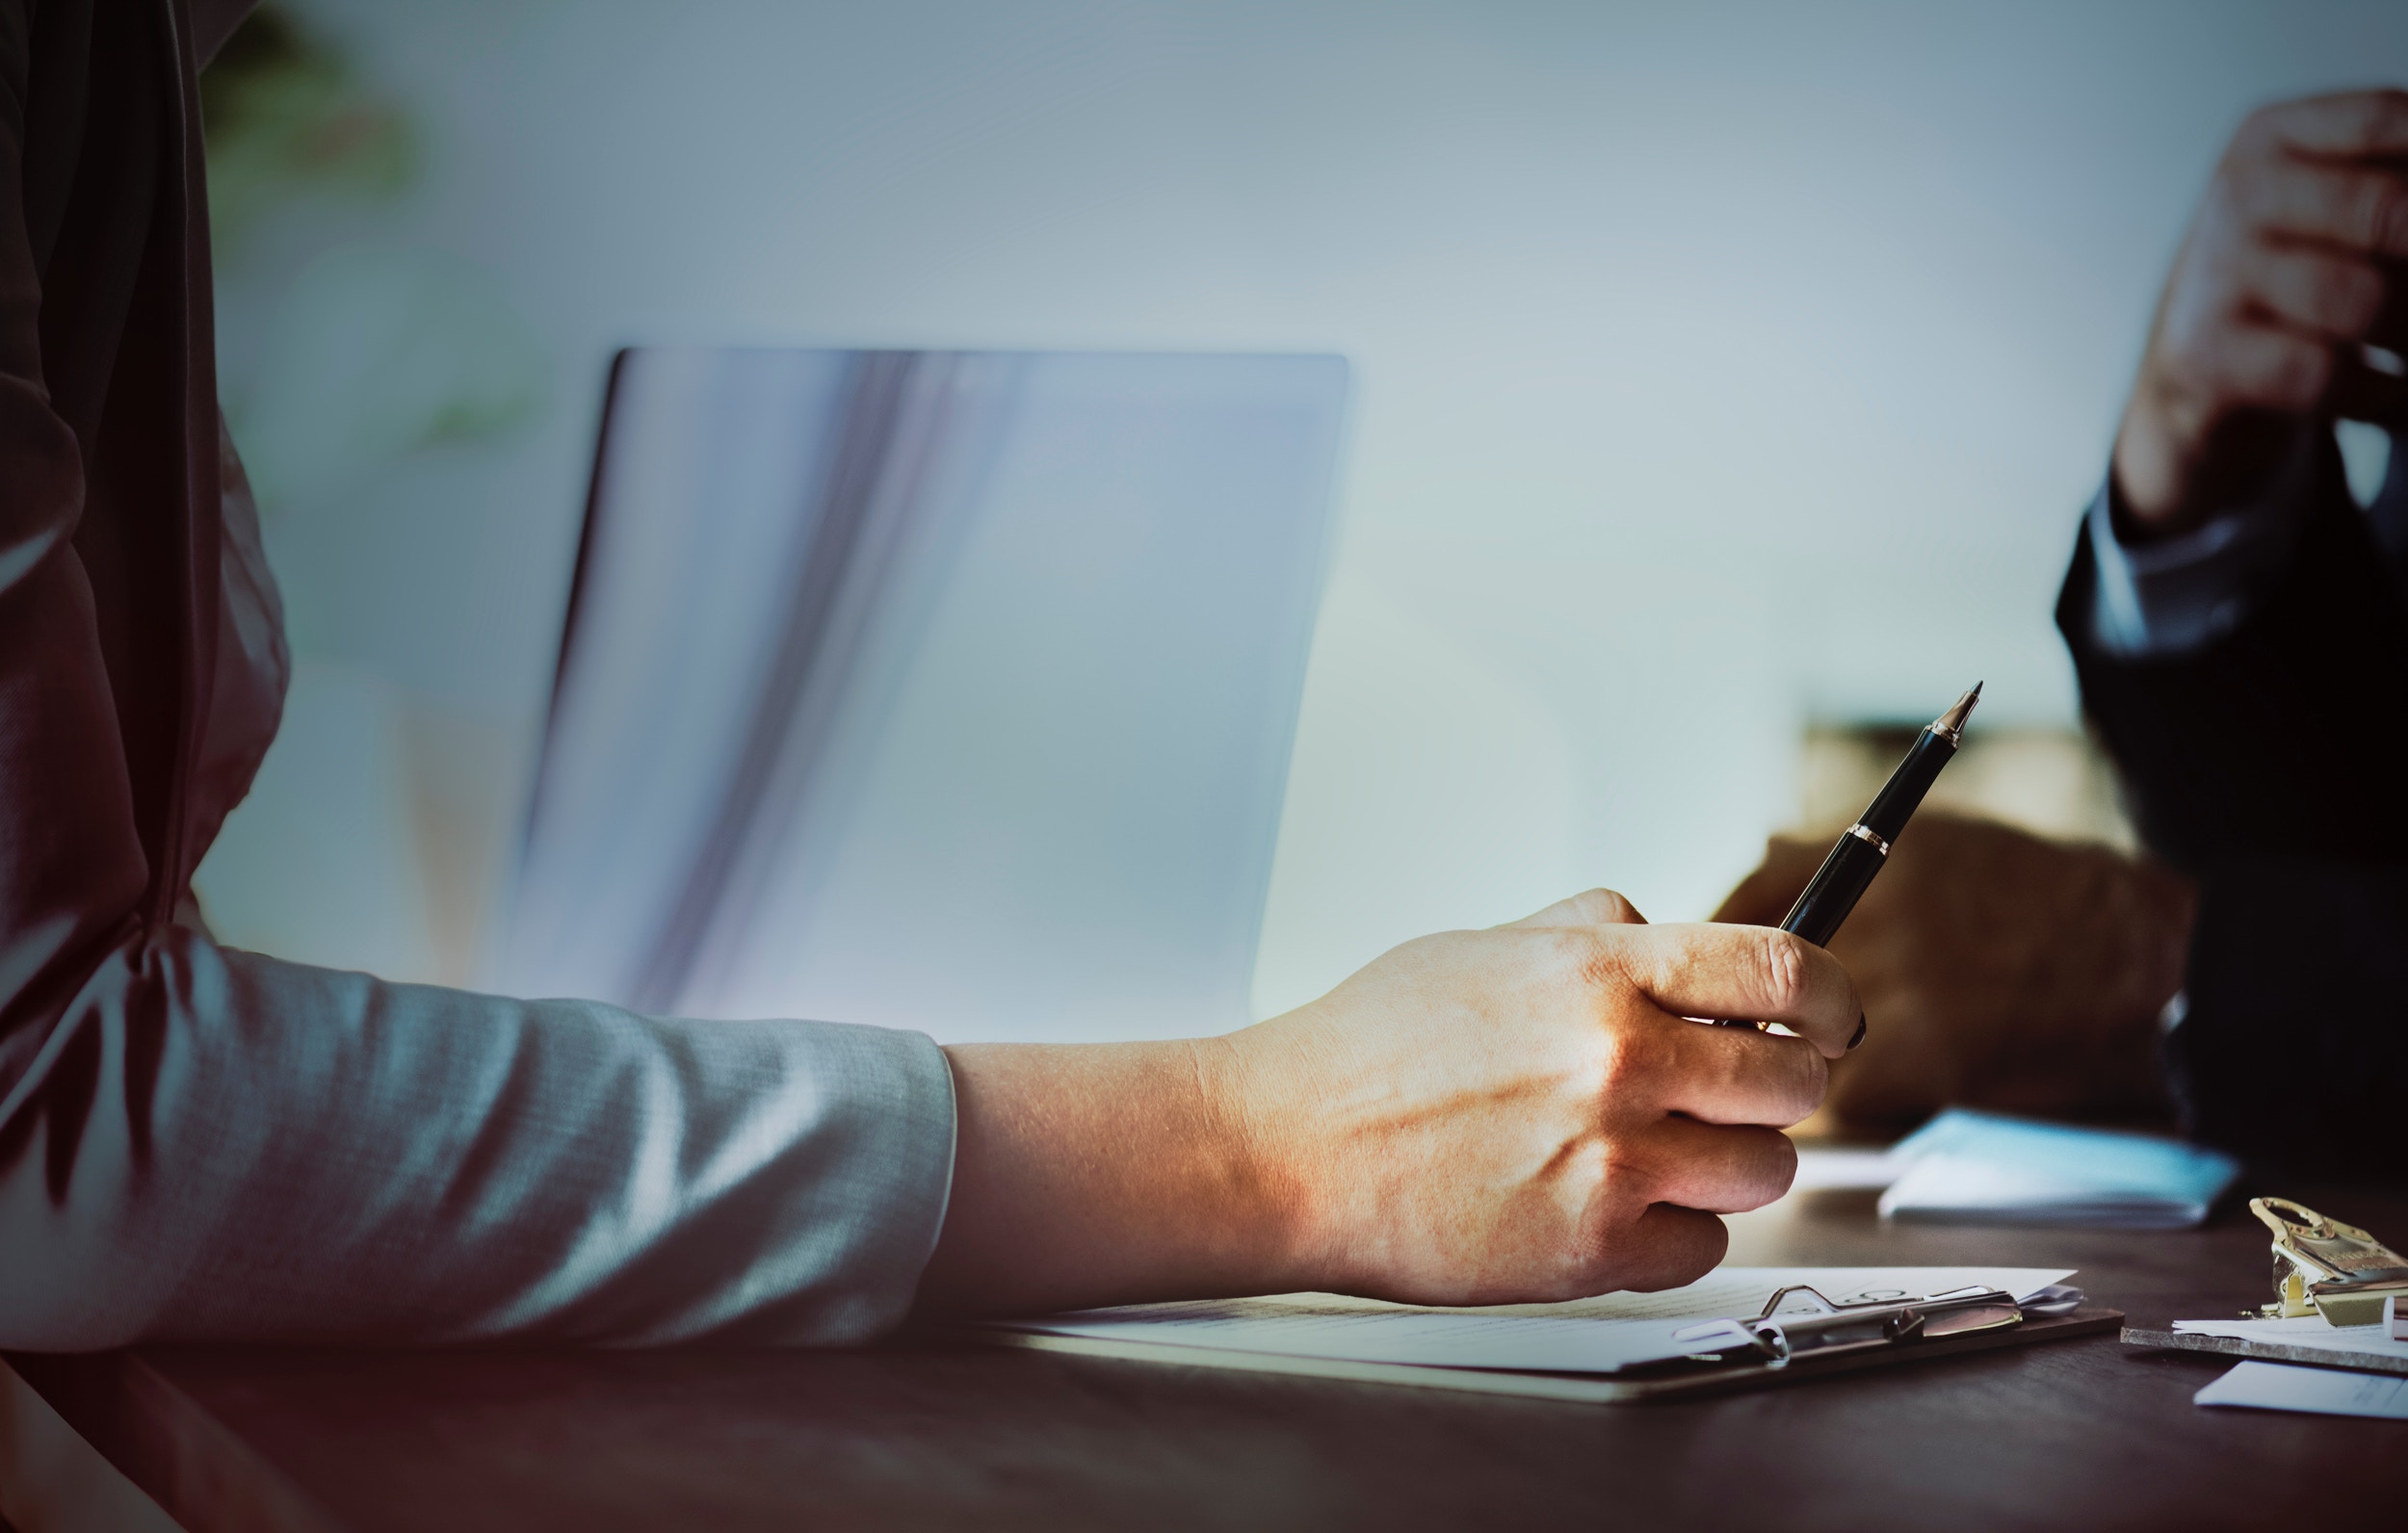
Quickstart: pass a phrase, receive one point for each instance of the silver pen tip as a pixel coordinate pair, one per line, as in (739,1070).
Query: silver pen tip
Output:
(1950,725)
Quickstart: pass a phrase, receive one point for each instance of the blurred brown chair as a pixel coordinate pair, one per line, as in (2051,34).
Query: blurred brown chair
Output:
(1999,970)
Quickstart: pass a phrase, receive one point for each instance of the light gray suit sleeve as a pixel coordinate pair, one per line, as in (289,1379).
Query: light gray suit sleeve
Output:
(276,1153)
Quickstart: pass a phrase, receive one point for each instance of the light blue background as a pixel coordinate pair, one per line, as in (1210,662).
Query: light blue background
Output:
(1668,322)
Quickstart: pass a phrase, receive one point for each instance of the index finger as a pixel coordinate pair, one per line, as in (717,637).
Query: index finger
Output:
(2351,124)
(1747,973)
(1739,1075)
(2359,208)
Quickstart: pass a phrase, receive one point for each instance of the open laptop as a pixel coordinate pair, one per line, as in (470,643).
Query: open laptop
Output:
(939,689)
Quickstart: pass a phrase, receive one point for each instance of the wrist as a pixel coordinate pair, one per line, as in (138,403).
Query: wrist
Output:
(2150,470)
(1105,1174)
(1240,1215)
(1261,1114)
(2180,463)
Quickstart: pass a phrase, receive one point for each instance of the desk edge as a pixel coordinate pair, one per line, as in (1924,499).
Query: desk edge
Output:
(178,1454)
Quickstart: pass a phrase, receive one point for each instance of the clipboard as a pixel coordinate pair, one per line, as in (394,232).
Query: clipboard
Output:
(1786,1348)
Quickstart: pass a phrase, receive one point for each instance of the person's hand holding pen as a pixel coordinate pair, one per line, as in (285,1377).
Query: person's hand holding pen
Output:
(1517,1114)
(2291,269)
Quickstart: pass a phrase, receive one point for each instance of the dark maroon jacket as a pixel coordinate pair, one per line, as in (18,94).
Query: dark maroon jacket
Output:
(197,1142)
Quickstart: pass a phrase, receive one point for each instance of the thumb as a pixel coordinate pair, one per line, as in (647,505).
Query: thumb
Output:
(1598,907)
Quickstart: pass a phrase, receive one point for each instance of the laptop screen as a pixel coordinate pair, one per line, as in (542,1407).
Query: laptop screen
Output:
(936,689)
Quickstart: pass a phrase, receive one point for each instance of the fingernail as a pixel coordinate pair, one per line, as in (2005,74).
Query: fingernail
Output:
(1859,1036)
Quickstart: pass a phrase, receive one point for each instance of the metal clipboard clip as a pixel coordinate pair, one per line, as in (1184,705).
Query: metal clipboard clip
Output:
(1781,1334)
(2323,1267)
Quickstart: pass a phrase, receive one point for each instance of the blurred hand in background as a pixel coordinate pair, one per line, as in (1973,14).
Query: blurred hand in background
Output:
(1999,970)
(2292,267)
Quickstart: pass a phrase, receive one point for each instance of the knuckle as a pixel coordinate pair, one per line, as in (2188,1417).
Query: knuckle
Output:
(2276,372)
(1783,962)
(1623,1177)
(1712,1242)
(1601,907)
(2386,116)
(1594,960)
(1621,1066)
(2303,375)
(1784,1166)
(1812,1081)
(1667,1259)
(2350,295)
(2372,211)
(1599,1260)
(1769,1174)
(2391,217)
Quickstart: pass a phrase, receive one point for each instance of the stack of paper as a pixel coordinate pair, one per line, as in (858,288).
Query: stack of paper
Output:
(2308,1339)
(1988,1168)
(2358,1369)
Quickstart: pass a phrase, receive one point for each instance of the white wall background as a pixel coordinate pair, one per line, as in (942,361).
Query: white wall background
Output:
(1669,323)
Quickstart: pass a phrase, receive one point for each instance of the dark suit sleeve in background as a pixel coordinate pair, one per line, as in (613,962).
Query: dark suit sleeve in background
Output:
(2272,766)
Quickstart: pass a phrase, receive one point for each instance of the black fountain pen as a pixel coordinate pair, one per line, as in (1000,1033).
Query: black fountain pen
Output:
(1864,846)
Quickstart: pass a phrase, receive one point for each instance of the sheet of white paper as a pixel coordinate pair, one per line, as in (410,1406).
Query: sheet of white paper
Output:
(1844,1170)
(1585,1336)
(2305,1330)
(2328,1392)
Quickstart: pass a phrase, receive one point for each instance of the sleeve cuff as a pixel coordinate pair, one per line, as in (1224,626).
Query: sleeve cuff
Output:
(2179,594)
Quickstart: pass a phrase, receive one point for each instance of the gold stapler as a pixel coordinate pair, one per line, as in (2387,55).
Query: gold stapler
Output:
(2323,1267)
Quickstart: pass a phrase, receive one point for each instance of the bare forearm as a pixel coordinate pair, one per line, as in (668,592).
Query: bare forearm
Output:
(1101,1174)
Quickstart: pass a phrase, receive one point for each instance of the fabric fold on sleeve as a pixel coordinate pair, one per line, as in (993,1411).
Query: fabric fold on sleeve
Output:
(266,1151)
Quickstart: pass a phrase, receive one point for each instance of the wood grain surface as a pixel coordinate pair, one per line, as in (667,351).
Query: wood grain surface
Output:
(2078,1434)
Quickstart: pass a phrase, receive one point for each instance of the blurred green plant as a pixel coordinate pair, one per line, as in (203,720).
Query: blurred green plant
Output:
(359,349)
(374,352)
(285,118)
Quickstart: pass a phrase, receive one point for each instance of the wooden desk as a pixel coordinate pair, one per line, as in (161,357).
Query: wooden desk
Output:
(2083,1434)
